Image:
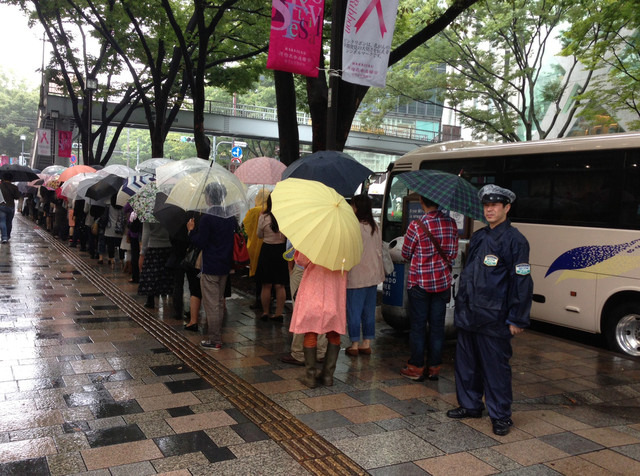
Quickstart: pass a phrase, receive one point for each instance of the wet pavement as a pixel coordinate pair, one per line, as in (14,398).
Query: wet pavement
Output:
(91,382)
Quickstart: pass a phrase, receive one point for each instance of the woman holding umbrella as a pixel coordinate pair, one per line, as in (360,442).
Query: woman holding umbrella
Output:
(214,237)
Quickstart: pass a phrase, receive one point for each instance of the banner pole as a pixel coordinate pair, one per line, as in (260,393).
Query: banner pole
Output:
(335,64)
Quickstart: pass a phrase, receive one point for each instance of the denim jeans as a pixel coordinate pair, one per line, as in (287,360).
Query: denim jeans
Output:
(6,221)
(425,307)
(361,310)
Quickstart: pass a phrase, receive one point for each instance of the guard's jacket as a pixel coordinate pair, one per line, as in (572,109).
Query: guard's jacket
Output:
(495,287)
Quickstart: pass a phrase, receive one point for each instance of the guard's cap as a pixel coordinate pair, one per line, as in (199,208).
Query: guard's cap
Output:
(493,194)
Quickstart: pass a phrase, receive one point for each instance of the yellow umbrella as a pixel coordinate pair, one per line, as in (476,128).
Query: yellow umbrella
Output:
(188,192)
(318,222)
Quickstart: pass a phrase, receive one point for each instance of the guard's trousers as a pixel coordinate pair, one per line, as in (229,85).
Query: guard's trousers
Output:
(482,367)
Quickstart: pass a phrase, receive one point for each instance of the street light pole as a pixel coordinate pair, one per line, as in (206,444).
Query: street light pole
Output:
(22,138)
(90,86)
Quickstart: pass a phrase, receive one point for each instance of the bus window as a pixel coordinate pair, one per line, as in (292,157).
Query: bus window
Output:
(393,210)
(630,192)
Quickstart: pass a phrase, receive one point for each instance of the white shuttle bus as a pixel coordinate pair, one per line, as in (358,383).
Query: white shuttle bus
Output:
(578,204)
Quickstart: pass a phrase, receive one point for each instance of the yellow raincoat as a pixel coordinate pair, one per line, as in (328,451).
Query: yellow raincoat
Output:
(250,222)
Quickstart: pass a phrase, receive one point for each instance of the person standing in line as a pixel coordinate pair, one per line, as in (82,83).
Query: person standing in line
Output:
(214,236)
(430,244)
(363,280)
(254,244)
(296,355)
(155,278)
(492,306)
(320,309)
(273,270)
(10,193)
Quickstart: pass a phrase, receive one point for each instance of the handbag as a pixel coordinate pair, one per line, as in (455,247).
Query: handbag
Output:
(192,259)
(387,262)
(240,251)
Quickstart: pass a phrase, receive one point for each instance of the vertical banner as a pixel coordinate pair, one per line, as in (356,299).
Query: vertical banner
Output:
(44,141)
(64,143)
(368,31)
(295,41)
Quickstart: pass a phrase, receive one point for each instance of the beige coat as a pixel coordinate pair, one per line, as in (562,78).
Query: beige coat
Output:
(370,271)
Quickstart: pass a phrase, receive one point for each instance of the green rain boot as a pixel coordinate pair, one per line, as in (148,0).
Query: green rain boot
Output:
(310,366)
(329,366)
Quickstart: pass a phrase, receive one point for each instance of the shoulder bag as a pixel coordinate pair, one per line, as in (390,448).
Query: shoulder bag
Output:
(435,243)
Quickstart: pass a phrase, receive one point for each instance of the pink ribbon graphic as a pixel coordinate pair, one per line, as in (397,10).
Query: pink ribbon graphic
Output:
(367,12)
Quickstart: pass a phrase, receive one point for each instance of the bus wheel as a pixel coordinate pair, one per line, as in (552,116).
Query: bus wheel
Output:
(622,330)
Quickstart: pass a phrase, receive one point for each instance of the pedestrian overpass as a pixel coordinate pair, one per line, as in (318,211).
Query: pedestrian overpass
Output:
(253,122)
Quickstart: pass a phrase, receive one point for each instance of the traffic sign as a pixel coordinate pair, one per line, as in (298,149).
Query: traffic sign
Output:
(238,143)
(73,160)
(236,152)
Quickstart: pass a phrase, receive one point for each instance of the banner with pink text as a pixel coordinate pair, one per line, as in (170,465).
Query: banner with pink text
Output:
(65,142)
(368,31)
(44,141)
(295,41)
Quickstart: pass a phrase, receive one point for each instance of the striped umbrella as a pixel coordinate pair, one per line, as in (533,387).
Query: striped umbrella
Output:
(132,186)
(450,191)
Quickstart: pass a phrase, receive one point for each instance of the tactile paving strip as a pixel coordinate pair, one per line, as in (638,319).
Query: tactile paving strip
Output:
(313,452)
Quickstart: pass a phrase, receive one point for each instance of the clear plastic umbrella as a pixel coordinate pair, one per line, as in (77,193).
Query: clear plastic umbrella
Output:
(70,187)
(150,166)
(119,170)
(212,190)
(170,173)
(54,170)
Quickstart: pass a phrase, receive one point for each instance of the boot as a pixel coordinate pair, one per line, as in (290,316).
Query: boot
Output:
(310,366)
(329,366)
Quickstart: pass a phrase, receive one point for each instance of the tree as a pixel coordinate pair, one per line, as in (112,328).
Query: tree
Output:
(18,114)
(350,95)
(496,80)
(616,61)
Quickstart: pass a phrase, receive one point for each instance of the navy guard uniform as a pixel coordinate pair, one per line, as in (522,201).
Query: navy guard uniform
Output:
(492,305)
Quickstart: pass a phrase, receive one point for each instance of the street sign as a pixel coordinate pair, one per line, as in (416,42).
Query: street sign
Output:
(73,160)
(236,152)
(238,143)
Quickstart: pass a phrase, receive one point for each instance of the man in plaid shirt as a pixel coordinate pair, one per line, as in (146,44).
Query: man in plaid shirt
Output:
(428,286)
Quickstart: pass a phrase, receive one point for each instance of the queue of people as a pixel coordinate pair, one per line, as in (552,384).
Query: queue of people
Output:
(492,304)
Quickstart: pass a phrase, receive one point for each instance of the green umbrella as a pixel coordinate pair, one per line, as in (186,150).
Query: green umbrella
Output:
(450,191)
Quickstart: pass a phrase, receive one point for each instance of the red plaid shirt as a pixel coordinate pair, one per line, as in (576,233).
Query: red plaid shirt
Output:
(428,270)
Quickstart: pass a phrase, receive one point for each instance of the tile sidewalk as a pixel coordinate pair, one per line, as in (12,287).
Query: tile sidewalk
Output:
(93,383)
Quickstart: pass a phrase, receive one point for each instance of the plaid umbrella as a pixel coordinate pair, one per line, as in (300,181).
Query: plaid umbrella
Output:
(450,191)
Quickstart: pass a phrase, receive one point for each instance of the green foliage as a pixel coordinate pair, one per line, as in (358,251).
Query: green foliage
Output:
(18,114)
(615,60)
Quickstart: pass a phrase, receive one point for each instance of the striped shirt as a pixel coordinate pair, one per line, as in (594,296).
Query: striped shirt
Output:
(428,270)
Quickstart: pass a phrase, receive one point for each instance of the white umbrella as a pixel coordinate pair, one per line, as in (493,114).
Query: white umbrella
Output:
(150,166)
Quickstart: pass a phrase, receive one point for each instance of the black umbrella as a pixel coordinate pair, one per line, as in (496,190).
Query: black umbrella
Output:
(335,169)
(172,217)
(105,188)
(19,173)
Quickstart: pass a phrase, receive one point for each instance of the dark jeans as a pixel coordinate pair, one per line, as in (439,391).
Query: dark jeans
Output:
(425,307)
(6,221)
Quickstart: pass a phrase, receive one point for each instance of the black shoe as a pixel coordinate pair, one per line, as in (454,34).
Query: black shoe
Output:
(150,303)
(501,427)
(460,412)
(192,328)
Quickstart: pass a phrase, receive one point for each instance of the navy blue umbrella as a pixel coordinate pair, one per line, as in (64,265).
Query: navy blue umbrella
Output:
(335,169)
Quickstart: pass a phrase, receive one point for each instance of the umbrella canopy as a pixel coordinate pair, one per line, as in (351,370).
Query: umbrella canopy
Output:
(130,187)
(117,169)
(19,173)
(194,192)
(52,182)
(260,170)
(69,189)
(171,172)
(105,187)
(450,191)
(172,217)
(54,170)
(75,170)
(143,203)
(83,187)
(150,166)
(332,168)
(318,222)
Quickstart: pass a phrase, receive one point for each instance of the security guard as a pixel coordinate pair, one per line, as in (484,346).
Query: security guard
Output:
(492,306)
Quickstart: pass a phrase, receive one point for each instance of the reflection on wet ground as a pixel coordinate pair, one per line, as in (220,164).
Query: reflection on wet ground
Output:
(92,382)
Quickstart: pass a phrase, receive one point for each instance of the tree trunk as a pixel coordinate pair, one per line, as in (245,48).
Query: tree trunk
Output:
(287,120)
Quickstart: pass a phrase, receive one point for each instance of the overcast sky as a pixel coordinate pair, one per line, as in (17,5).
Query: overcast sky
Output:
(21,51)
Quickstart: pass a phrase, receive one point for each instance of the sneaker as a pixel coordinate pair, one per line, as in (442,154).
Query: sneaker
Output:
(207,344)
(412,372)
(5,241)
